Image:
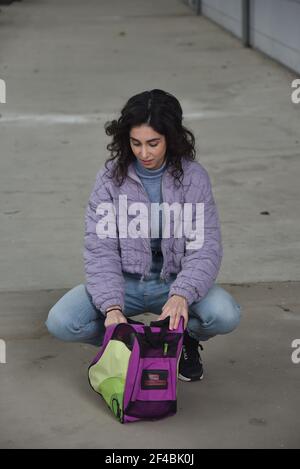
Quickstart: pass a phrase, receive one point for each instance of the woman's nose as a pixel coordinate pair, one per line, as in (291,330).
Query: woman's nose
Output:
(144,153)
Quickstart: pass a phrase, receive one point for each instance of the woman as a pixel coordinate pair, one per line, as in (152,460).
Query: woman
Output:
(131,269)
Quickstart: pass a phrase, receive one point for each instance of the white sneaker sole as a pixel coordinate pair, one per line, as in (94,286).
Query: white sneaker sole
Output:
(184,378)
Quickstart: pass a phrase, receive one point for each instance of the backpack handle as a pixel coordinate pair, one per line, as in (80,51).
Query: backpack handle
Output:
(166,323)
(155,339)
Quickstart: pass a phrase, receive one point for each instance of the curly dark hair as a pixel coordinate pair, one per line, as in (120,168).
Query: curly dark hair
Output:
(163,112)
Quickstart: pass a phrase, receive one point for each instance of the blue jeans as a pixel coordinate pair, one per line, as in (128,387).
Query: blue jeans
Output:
(74,317)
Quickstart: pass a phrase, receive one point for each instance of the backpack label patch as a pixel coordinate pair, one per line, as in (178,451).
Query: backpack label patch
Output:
(154,379)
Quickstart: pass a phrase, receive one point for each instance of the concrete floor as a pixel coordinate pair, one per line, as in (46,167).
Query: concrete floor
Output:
(68,70)
(249,397)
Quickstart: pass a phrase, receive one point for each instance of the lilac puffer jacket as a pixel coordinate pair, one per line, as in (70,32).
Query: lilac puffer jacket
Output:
(106,259)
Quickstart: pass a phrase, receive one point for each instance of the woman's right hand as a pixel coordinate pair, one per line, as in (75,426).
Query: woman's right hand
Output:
(114,316)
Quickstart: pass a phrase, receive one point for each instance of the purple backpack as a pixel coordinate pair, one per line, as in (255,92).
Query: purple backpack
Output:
(136,369)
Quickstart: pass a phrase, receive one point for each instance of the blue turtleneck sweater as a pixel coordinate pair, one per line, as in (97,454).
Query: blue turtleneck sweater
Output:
(151,180)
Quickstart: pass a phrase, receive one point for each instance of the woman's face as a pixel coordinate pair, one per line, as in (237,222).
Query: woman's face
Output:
(148,146)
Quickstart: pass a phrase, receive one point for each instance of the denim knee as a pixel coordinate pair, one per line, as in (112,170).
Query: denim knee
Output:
(58,326)
(228,318)
(218,313)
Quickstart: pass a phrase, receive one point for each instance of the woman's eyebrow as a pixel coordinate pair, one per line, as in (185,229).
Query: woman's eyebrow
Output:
(148,141)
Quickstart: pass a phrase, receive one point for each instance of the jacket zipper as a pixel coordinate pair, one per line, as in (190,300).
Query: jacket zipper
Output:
(147,244)
(161,276)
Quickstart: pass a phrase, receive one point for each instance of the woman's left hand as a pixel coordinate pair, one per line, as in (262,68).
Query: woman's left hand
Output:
(175,307)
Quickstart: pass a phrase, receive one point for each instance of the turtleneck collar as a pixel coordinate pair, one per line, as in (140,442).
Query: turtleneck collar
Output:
(148,172)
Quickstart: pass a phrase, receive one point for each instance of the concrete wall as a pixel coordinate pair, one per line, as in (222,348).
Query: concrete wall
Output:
(192,3)
(275,30)
(226,13)
(274,25)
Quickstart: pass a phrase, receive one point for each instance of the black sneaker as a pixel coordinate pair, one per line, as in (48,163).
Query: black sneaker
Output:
(190,363)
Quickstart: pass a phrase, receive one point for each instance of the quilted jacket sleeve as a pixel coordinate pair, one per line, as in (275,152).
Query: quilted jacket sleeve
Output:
(200,267)
(102,261)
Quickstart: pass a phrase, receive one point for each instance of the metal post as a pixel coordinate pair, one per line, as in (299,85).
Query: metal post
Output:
(246,23)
